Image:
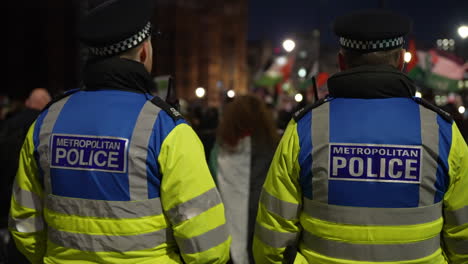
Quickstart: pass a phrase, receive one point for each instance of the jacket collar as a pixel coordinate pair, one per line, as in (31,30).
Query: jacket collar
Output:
(369,82)
(117,74)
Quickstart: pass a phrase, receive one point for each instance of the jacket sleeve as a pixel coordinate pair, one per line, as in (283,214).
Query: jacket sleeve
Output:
(455,230)
(191,200)
(277,226)
(26,222)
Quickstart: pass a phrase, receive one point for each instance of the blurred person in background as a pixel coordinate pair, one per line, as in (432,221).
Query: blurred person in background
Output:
(12,134)
(111,174)
(3,108)
(246,140)
(370,174)
(452,107)
(209,120)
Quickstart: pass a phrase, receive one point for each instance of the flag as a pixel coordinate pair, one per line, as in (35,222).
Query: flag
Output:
(436,70)
(447,67)
(279,72)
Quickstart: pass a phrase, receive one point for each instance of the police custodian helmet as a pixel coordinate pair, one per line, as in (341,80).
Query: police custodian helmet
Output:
(372,30)
(115,26)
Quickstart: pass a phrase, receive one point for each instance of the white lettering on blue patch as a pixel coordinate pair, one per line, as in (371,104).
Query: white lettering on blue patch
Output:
(82,152)
(372,162)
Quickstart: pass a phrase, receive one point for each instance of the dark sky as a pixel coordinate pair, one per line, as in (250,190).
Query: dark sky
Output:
(274,19)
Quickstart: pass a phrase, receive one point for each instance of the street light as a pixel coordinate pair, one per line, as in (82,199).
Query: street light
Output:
(302,72)
(418,94)
(200,92)
(289,45)
(298,97)
(231,93)
(461,110)
(281,61)
(408,57)
(463,31)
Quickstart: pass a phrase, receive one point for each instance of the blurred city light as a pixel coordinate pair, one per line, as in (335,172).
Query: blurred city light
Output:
(231,93)
(281,60)
(408,57)
(200,92)
(289,45)
(461,109)
(443,99)
(303,54)
(463,31)
(298,97)
(418,94)
(286,86)
(302,73)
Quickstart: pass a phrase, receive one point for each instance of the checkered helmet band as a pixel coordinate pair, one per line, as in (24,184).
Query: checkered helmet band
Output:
(123,45)
(372,45)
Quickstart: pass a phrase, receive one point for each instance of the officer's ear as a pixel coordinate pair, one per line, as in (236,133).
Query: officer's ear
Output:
(342,62)
(143,54)
(401,60)
(146,55)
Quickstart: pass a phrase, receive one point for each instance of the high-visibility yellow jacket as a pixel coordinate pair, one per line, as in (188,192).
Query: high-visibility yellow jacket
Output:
(366,181)
(109,176)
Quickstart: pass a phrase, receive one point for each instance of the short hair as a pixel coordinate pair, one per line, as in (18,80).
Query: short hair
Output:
(355,58)
(131,53)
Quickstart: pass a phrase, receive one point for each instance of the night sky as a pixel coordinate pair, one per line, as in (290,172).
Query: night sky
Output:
(275,19)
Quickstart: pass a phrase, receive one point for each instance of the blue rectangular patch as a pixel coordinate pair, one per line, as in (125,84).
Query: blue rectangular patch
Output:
(375,163)
(81,152)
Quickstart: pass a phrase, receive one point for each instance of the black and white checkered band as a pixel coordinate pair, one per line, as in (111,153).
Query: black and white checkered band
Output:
(372,45)
(123,45)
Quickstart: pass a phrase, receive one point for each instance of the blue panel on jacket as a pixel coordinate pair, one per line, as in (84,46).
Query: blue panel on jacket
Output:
(109,114)
(305,154)
(445,143)
(390,130)
(164,125)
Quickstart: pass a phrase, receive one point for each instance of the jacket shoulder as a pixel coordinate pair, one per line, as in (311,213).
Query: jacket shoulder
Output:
(445,115)
(171,111)
(60,97)
(306,109)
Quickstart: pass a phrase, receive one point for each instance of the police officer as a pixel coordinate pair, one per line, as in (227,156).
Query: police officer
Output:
(369,174)
(109,174)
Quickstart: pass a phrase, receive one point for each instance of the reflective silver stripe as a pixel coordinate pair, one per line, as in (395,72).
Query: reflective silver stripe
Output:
(320,149)
(457,217)
(138,151)
(457,246)
(371,252)
(27,225)
(284,209)
(26,198)
(194,207)
(204,241)
(44,140)
(430,143)
(108,243)
(372,216)
(274,238)
(99,208)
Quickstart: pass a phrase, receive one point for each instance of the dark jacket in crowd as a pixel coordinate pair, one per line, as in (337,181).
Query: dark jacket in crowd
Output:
(12,134)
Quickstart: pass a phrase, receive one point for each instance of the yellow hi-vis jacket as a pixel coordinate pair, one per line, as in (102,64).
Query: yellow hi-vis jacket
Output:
(358,181)
(122,180)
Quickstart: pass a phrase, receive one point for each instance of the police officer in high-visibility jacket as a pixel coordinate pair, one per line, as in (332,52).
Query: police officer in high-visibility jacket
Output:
(109,174)
(370,174)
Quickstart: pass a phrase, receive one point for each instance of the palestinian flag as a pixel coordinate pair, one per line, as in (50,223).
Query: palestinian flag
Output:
(277,73)
(436,69)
